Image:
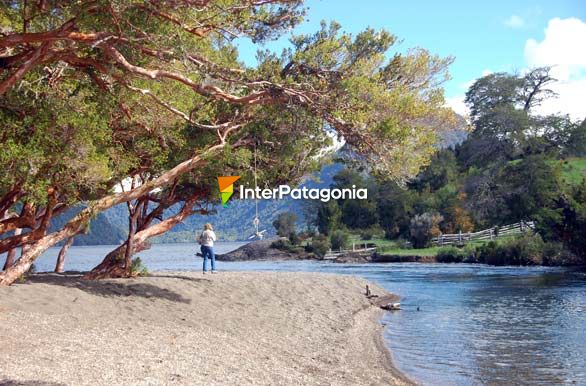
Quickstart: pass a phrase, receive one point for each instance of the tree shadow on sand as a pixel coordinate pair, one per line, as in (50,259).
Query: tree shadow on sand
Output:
(10,382)
(181,277)
(112,287)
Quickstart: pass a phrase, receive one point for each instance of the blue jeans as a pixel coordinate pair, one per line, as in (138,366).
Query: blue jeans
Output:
(208,252)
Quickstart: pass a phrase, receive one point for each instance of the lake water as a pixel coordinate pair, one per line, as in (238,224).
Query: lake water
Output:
(475,325)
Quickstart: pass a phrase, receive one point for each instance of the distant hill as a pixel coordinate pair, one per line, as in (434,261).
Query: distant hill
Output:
(108,227)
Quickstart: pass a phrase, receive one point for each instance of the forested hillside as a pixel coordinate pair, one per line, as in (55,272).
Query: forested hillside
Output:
(515,165)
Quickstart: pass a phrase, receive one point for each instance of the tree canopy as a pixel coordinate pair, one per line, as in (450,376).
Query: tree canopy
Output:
(94,92)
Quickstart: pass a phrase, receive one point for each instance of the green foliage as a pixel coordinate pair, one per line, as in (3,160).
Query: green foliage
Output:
(450,255)
(286,246)
(137,268)
(526,250)
(573,170)
(423,228)
(339,239)
(329,217)
(285,224)
(294,238)
(320,245)
(367,234)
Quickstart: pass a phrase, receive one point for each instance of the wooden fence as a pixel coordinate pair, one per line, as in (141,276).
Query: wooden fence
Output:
(485,235)
(332,255)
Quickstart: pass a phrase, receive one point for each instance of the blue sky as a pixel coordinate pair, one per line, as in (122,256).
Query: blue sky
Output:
(482,36)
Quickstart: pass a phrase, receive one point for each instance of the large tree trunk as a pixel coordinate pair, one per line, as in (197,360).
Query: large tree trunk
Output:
(76,224)
(60,265)
(134,212)
(114,264)
(11,254)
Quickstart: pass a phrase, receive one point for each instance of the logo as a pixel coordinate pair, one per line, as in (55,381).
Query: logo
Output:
(226,184)
(304,193)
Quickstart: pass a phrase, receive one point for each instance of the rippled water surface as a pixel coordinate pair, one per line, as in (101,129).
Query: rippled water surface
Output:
(475,324)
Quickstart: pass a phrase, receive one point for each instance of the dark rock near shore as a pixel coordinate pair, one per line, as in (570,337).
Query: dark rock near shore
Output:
(262,250)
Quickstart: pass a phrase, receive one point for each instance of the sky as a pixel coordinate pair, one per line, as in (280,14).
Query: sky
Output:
(483,37)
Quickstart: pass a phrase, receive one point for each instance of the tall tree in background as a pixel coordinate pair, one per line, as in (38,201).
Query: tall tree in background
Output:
(97,92)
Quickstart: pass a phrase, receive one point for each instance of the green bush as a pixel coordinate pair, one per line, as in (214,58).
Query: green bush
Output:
(423,228)
(339,239)
(367,234)
(556,254)
(450,255)
(526,250)
(137,268)
(294,238)
(320,245)
(285,245)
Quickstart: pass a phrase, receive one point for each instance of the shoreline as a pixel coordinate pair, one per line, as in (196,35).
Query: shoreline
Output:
(187,328)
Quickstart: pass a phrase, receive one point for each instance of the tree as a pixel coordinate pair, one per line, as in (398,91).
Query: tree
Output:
(576,143)
(423,227)
(442,170)
(500,106)
(94,93)
(356,214)
(329,217)
(395,208)
(339,239)
(285,224)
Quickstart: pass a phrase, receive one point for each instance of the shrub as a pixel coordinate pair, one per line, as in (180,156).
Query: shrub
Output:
(281,244)
(137,268)
(320,245)
(450,255)
(367,234)
(526,250)
(556,254)
(285,224)
(423,227)
(339,239)
(294,238)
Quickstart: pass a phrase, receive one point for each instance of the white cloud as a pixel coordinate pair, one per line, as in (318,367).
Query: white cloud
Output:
(485,72)
(515,22)
(563,49)
(457,104)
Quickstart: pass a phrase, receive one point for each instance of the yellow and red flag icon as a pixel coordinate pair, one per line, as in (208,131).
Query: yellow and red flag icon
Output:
(226,184)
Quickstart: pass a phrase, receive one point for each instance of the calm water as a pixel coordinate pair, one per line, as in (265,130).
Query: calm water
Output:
(476,324)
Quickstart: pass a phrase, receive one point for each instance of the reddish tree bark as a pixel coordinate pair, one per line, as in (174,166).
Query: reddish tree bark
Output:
(10,256)
(77,223)
(115,263)
(60,265)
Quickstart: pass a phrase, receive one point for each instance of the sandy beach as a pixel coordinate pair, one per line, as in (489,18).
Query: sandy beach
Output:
(232,328)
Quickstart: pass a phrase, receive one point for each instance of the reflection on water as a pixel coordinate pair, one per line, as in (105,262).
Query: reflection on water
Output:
(476,324)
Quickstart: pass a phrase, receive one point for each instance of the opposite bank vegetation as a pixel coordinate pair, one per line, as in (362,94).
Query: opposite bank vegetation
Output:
(514,167)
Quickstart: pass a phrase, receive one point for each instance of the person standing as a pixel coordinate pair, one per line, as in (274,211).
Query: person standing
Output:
(206,240)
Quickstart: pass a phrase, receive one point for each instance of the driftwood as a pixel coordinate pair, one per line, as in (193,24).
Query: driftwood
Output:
(386,302)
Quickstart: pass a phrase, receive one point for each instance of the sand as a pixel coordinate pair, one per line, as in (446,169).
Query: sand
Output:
(231,328)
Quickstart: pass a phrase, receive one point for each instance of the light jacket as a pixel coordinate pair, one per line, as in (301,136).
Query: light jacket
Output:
(207,238)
